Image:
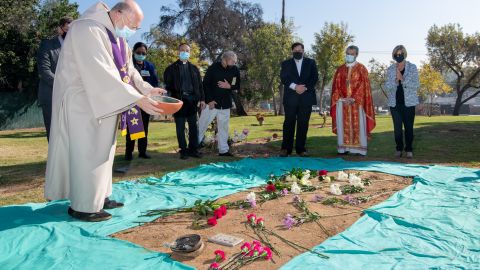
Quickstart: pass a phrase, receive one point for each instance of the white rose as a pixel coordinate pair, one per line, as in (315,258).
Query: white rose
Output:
(355,181)
(335,189)
(251,196)
(305,177)
(342,175)
(305,182)
(295,188)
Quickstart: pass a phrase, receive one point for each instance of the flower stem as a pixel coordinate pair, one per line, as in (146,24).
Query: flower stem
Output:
(292,244)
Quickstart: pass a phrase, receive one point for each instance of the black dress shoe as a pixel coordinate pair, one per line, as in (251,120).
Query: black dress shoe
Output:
(183,155)
(128,157)
(284,153)
(111,204)
(144,155)
(303,154)
(226,154)
(89,217)
(195,154)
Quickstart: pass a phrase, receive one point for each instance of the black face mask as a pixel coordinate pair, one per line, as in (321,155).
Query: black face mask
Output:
(297,55)
(64,35)
(399,58)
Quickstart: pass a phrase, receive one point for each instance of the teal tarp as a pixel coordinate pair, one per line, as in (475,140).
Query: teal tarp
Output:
(432,224)
(35,235)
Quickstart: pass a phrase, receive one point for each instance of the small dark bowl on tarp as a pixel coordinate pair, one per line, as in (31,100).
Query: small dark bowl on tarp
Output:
(188,246)
(169,105)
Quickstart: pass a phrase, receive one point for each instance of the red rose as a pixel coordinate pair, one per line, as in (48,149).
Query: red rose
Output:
(223,208)
(214,266)
(322,172)
(218,213)
(212,221)
(270,188)
(219,255)
(252,218)
(260,222)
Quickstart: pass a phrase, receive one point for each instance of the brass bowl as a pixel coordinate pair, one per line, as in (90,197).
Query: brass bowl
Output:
(169,105)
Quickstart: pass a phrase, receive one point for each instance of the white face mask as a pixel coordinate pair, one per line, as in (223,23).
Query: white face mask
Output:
(349,58)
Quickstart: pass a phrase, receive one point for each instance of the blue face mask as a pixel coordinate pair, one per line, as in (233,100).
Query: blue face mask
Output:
(125,32)
(349,58)
(184,56)
(139,57)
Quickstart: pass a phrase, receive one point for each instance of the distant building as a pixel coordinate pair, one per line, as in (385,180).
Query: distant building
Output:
(447,103)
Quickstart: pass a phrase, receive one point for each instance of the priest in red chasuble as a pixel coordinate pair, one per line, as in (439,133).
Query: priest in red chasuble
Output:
(352,111)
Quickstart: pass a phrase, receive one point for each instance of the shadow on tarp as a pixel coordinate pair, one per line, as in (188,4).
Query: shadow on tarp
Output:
(32,214)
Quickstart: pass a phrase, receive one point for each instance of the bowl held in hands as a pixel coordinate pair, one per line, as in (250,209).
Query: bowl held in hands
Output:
(169,105)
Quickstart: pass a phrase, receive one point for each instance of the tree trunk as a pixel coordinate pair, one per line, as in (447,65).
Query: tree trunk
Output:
(274,103)
(458,104)
(238,104)
(320,99)
(280,107)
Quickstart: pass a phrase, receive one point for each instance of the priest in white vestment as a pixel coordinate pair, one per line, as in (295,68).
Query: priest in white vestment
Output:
(95,82)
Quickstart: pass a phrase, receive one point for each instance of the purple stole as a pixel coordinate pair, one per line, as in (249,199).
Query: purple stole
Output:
(131,119)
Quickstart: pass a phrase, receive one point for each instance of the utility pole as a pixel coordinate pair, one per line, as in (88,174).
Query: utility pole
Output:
(280,86)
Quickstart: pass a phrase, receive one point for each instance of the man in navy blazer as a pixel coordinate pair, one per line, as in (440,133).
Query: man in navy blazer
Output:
(47,58)
(299,76)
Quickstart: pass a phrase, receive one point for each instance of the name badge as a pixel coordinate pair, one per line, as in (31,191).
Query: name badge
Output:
(234,80)
(145,73)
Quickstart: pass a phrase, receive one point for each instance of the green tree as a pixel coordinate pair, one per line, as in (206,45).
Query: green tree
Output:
(51,12)
(268,49)
(23,25)
(163,50)
(329,52)
(432,83)
(452,51)
(377,75)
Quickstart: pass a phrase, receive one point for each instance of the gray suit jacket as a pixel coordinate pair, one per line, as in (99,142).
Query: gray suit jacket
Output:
(47,58)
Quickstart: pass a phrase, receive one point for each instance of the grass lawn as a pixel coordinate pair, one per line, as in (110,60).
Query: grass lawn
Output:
(440,140)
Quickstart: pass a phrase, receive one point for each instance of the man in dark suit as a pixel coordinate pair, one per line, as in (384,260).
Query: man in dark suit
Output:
(299,76)
(47,58)
(183,81)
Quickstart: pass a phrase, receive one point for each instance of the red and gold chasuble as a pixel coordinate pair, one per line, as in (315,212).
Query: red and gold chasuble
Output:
(352,83)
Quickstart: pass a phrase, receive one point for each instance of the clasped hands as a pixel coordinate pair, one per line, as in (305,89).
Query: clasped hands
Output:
(300,88)
(348,101)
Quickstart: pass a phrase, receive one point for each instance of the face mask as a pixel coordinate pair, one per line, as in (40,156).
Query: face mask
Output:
(349,58)
(139,57)
(297,55)
(125,32)
(399,58)
(184,56)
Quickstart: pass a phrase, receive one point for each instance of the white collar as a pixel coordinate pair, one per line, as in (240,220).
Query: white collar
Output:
(351,64)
